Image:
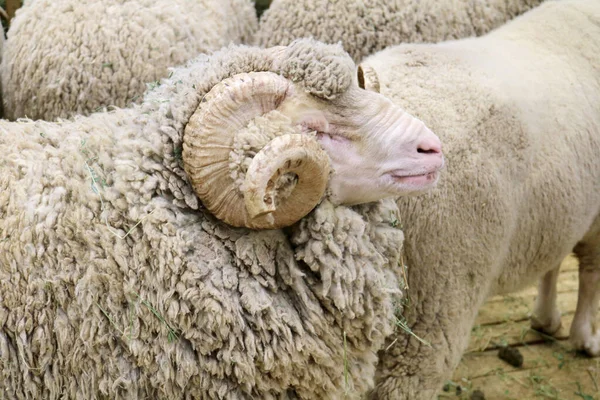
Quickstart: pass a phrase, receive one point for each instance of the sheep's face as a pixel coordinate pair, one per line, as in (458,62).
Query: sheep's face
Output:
(376,149)
(253,158)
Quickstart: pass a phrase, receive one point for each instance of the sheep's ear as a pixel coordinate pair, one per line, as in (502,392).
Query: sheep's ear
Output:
(367,78)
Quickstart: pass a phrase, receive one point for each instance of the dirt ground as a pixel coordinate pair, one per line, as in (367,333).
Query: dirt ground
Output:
(551,369)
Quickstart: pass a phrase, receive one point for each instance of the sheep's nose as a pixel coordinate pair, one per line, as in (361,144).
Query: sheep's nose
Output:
(430,145)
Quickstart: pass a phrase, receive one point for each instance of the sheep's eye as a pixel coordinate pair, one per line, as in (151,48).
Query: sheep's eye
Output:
(340,139)
(333,138)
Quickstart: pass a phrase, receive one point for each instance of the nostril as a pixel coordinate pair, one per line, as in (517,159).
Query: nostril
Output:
(430,146)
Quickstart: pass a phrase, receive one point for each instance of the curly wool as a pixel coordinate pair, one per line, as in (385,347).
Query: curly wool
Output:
(326,76)
(115,283)
(367,26)
(71,57)
(1,53)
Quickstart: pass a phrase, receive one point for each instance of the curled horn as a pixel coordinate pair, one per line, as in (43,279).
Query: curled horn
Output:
(208,140)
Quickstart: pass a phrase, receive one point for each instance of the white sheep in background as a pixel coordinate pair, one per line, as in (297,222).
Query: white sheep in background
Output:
(367,26)
(2,39)
(115,281)
(67,57)
(518,113)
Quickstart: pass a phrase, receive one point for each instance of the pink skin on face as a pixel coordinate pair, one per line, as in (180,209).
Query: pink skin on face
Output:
(376,149)
(400,157)
(430,148)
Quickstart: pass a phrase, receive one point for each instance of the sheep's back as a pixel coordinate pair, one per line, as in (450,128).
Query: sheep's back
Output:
(74,57)
(365,27)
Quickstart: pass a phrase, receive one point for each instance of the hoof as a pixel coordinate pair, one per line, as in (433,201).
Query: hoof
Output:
(550,325)
(587,342)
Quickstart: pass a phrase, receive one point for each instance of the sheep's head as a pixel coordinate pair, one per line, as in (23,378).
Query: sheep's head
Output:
(263,148)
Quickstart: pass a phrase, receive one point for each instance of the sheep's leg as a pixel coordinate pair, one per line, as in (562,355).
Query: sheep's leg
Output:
(584,331)
(546,316)
(409,369)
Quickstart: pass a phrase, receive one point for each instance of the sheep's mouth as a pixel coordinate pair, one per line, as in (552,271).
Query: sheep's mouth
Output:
(428,178)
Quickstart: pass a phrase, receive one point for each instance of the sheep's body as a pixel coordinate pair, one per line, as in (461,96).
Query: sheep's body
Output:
(365,27)
(518,112)
(1,53)
(73,57)
(259,314)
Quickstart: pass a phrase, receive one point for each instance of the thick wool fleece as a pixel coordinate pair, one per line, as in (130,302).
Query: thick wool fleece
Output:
(518,112)
(116,283)
(325,77)
(1,53)
(367,26)
(71,57)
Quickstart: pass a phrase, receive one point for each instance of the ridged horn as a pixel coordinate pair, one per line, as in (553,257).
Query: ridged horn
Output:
(367,78)
(294,159)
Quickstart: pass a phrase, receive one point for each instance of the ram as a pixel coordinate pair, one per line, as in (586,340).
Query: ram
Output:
(117,280)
